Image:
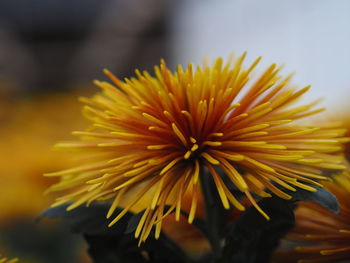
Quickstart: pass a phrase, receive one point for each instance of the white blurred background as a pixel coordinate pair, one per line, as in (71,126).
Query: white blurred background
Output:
(311,37)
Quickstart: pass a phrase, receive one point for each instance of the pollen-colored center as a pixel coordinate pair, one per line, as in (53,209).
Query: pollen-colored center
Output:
(192,149)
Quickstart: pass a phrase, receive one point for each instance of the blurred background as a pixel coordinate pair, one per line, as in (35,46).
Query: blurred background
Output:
(50,51)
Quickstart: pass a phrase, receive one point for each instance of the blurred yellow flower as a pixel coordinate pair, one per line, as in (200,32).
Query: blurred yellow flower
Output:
(28,129)
(186,235)
(6,260)
(153,137)
(325,236)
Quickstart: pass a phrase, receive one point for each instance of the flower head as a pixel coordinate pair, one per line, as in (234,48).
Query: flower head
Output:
(153,137)
(325,236)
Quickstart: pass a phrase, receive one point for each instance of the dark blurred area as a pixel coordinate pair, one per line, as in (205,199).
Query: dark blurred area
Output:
(50,52)
(61,44)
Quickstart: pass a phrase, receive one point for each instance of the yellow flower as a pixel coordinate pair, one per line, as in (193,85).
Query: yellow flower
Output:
(6,260)
(30,127)
(328,234)
(186,236)
(153,137)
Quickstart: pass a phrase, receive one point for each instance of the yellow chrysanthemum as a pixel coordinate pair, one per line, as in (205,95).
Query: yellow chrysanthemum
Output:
(327,234)
(153,137)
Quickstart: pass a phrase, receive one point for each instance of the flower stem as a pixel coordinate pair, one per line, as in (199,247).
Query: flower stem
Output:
(212,214)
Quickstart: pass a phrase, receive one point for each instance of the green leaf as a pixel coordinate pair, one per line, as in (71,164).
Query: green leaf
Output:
(133,222)
(88,220)
(253,238)
(322,197)
(117,243)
